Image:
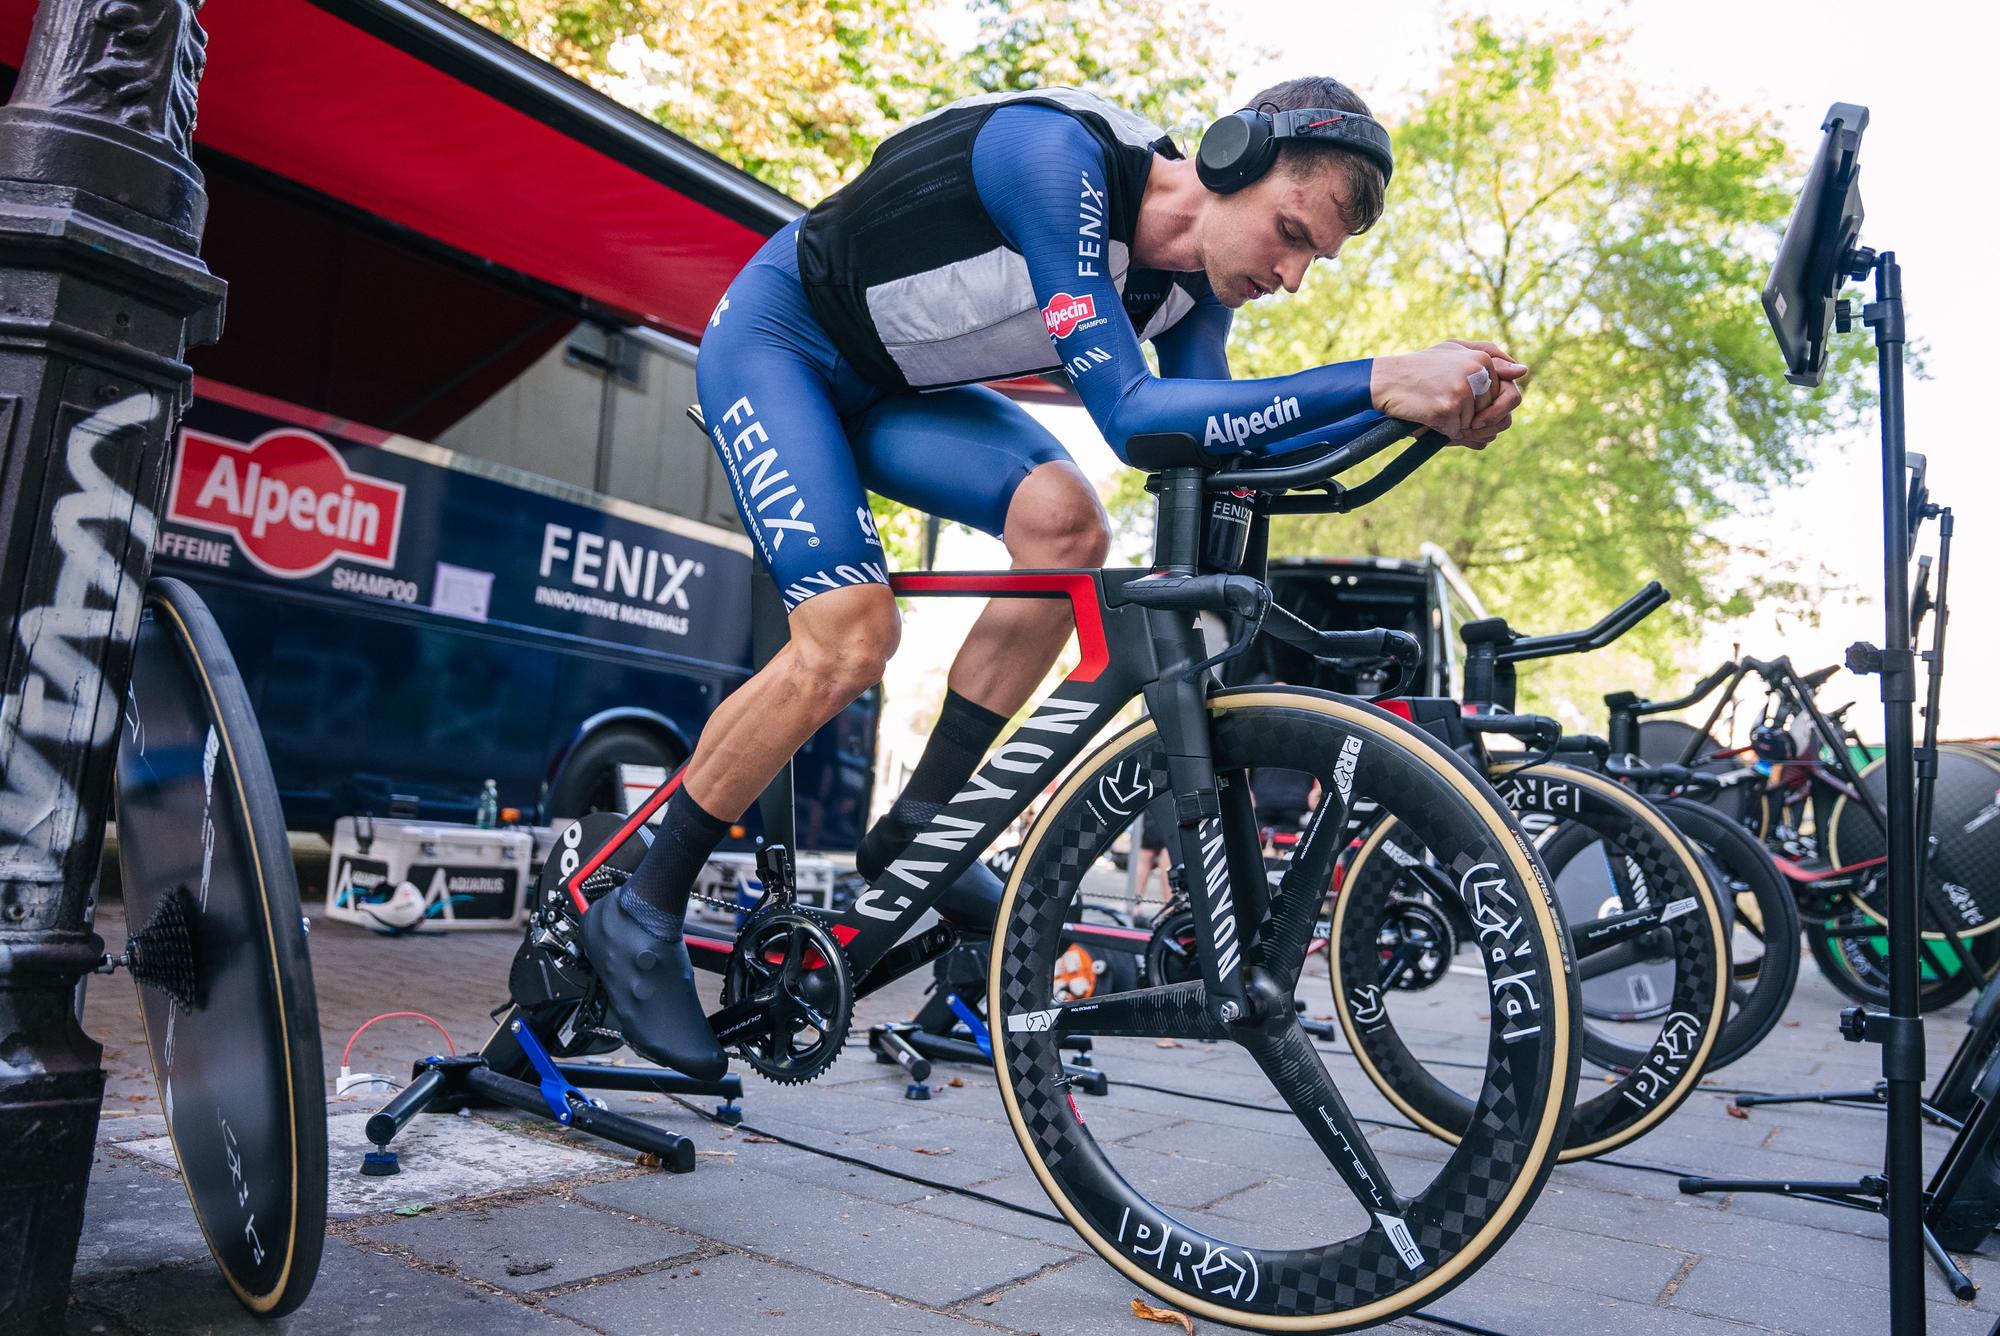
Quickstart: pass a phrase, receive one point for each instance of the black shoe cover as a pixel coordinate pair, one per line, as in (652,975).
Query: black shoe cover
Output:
(650,984)
(972,903)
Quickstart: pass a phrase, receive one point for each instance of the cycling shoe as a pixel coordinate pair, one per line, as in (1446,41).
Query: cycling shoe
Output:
(650,985)
(972,903)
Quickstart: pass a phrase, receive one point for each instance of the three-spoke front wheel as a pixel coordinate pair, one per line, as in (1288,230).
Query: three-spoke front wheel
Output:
(1389,1239)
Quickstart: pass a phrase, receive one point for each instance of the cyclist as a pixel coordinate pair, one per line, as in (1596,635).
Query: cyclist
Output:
(1003,235)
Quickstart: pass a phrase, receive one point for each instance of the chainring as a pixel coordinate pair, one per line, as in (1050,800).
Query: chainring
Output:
(1417,936)
(789,961)
(1172,952)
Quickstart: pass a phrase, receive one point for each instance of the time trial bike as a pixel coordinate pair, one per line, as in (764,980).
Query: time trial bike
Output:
(1156,633)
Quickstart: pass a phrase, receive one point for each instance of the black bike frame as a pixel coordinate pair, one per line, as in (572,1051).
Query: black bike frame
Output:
(1139,633)
(1124,647)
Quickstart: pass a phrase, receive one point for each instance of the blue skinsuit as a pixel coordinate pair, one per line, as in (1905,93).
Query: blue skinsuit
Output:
(803,433)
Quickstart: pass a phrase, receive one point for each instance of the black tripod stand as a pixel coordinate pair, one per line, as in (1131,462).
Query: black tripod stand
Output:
(1950,1100)
(1821,250)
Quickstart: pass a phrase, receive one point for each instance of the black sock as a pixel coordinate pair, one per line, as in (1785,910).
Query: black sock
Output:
(666,875)
(964,731)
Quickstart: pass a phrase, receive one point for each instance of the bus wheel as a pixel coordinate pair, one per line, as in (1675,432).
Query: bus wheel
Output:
(588,781)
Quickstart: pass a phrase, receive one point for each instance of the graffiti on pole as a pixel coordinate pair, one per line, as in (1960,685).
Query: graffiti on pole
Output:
(63,701)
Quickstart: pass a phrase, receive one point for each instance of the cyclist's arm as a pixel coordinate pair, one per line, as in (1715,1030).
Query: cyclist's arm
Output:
(1035,168)
(1196,347)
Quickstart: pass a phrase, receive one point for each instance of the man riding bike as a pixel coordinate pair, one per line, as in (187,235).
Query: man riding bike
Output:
(1003,235)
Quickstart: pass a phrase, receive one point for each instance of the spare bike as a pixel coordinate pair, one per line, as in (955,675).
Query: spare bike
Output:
(1651,923)
(1820,813)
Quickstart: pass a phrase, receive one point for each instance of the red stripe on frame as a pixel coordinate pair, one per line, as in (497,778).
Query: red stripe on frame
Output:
(632,823)
(1080,589)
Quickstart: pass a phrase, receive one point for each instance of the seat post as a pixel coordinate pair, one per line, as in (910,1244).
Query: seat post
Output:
(1177,531)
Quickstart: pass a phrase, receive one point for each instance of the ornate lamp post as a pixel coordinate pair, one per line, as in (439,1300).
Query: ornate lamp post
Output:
(102,291)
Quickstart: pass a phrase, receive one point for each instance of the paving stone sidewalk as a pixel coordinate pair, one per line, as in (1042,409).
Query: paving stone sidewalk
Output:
(526,1229)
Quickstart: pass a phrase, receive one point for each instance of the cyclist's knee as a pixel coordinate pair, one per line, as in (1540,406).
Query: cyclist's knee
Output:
(844,639)
(1055,519)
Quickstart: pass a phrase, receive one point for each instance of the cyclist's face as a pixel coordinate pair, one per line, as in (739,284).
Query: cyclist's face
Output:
(1263,237)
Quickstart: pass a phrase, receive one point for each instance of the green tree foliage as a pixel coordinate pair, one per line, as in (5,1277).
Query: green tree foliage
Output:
(1168,60)
(1615,241)
(797,94)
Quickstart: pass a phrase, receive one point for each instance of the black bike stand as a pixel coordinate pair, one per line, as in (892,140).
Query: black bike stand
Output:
(1324,1031)
(1821,250)
(1951,1098)
(495,1074)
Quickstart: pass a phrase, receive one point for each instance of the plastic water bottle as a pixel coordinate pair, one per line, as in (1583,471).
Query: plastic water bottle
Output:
(489,806)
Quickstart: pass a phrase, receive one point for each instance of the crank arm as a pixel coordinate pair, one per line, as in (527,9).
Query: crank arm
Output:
(914,954)
(1599,935)
(739,1020)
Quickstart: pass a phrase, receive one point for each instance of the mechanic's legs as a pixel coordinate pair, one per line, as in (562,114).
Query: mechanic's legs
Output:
(1142,879)
(1053,520)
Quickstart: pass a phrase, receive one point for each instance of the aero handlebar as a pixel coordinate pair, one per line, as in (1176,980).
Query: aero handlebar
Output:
(1615,623)
(1323,467)
(1701,689)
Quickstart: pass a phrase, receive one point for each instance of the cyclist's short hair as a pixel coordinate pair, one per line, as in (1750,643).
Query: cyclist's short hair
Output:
(1304,157)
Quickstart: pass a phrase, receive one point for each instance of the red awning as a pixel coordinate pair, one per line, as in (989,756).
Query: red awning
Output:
(405,110)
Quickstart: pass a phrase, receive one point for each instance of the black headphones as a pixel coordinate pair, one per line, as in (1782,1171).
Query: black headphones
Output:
(1241,147)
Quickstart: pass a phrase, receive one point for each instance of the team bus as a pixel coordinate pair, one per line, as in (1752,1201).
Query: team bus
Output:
(412,621)
(437,484)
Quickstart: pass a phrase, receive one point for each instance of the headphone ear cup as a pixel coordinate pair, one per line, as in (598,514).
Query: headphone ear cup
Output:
(1236,151)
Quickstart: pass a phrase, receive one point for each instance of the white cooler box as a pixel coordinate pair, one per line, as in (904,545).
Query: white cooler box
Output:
(725,873)
(470,877)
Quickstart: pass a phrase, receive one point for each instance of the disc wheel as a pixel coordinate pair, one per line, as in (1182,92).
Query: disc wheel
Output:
(790,965)
(1656,868)
(1858,964)
(219,953)
(1962,874)
(1386,1244)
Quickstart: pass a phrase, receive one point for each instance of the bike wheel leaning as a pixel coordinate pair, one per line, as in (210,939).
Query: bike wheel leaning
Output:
(218,947)
(1360,1264)
(1764,943)
(1655,868)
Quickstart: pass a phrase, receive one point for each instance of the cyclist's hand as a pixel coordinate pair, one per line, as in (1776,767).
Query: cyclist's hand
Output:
(1443,387)
(1496,414)
(1463,389)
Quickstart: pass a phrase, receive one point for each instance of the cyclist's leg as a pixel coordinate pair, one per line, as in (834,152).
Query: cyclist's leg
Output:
(970,455)
(974,456)
(773,393)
